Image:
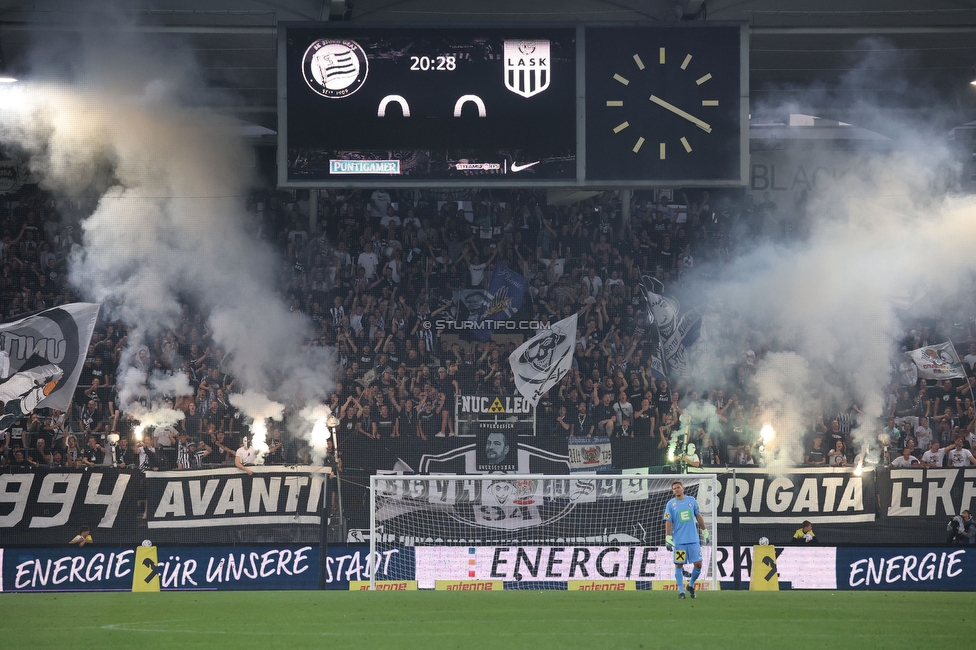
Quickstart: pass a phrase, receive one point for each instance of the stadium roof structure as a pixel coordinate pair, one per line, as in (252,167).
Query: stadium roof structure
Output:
(915,58)
(809,127)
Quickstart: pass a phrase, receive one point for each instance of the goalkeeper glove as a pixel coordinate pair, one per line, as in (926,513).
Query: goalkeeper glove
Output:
(704,535)
(669,542)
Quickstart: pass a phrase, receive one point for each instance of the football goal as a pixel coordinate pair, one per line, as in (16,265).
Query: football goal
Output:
(535,532)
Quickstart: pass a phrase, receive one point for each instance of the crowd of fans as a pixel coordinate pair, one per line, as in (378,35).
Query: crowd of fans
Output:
(384,267)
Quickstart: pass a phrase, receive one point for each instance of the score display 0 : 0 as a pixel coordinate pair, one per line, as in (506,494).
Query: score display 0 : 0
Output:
(424,63)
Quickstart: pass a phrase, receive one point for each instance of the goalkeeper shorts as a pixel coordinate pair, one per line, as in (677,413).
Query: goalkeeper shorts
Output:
(687,553)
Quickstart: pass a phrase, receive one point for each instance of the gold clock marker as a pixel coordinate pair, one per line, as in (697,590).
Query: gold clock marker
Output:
(684,141)
(614,102)
(640,142)
(662,56)
(709,102)
(663,150)
(620,127)
(621,79)
(702,80)
(684,64)
(640,64)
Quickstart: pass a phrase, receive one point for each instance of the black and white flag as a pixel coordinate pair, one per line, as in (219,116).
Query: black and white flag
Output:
(937,362)
(681,339)
(41,358)
(539,363)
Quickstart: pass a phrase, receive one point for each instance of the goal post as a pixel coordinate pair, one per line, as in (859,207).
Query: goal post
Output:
(534,531)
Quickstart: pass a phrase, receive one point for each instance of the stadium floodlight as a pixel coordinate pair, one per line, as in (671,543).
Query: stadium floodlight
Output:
(535,531)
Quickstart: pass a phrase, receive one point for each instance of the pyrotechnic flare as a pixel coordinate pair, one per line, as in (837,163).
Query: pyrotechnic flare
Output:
(322,422)
(258,409)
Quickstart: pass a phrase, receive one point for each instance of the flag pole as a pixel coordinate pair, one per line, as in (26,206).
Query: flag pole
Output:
(963,365)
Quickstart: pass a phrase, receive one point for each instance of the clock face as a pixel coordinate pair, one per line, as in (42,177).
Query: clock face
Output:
(662,104)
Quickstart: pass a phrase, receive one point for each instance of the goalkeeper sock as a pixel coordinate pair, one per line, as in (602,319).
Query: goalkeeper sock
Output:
(680,577)
(694,576)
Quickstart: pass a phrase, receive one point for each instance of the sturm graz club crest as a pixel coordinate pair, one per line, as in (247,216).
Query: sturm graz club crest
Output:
(335,67)
(527,70)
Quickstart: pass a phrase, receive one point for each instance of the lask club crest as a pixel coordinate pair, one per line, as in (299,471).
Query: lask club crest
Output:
(527,67)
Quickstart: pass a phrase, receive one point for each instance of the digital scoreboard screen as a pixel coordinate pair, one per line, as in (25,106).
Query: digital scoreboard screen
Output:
(398,106)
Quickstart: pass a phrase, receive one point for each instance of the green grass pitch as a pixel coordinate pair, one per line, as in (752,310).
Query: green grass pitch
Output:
(526,619)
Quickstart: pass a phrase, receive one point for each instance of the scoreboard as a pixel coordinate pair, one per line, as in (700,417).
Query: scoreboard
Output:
(431,104)
(506,106)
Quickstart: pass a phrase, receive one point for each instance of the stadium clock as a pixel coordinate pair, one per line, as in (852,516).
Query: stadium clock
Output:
(663,104)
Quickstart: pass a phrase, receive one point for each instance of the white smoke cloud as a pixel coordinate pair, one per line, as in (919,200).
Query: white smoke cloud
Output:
(883,236)
(788,393)
(170,224)
(828,306)
(699,413)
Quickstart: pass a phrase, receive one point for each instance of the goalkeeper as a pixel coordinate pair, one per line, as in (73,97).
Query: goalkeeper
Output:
(682,520)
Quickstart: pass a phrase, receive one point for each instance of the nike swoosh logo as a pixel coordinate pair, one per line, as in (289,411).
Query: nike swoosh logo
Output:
(517,167)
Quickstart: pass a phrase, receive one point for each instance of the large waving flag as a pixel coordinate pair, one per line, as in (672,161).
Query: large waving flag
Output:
(938,362)
(503,299)
(41,359)
(681,336)
(540,362)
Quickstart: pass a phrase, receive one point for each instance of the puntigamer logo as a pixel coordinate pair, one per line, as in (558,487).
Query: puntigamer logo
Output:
(364,166)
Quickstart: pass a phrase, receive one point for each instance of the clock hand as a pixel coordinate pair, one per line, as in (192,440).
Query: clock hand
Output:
(704,126)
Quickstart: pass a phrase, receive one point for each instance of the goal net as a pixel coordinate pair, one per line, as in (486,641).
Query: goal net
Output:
(533,532)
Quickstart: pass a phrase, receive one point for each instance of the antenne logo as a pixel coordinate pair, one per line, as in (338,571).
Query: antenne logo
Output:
(335,67)
(527,70)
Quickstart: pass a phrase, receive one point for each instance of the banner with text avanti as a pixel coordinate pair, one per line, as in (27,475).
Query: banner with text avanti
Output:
(272,505)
